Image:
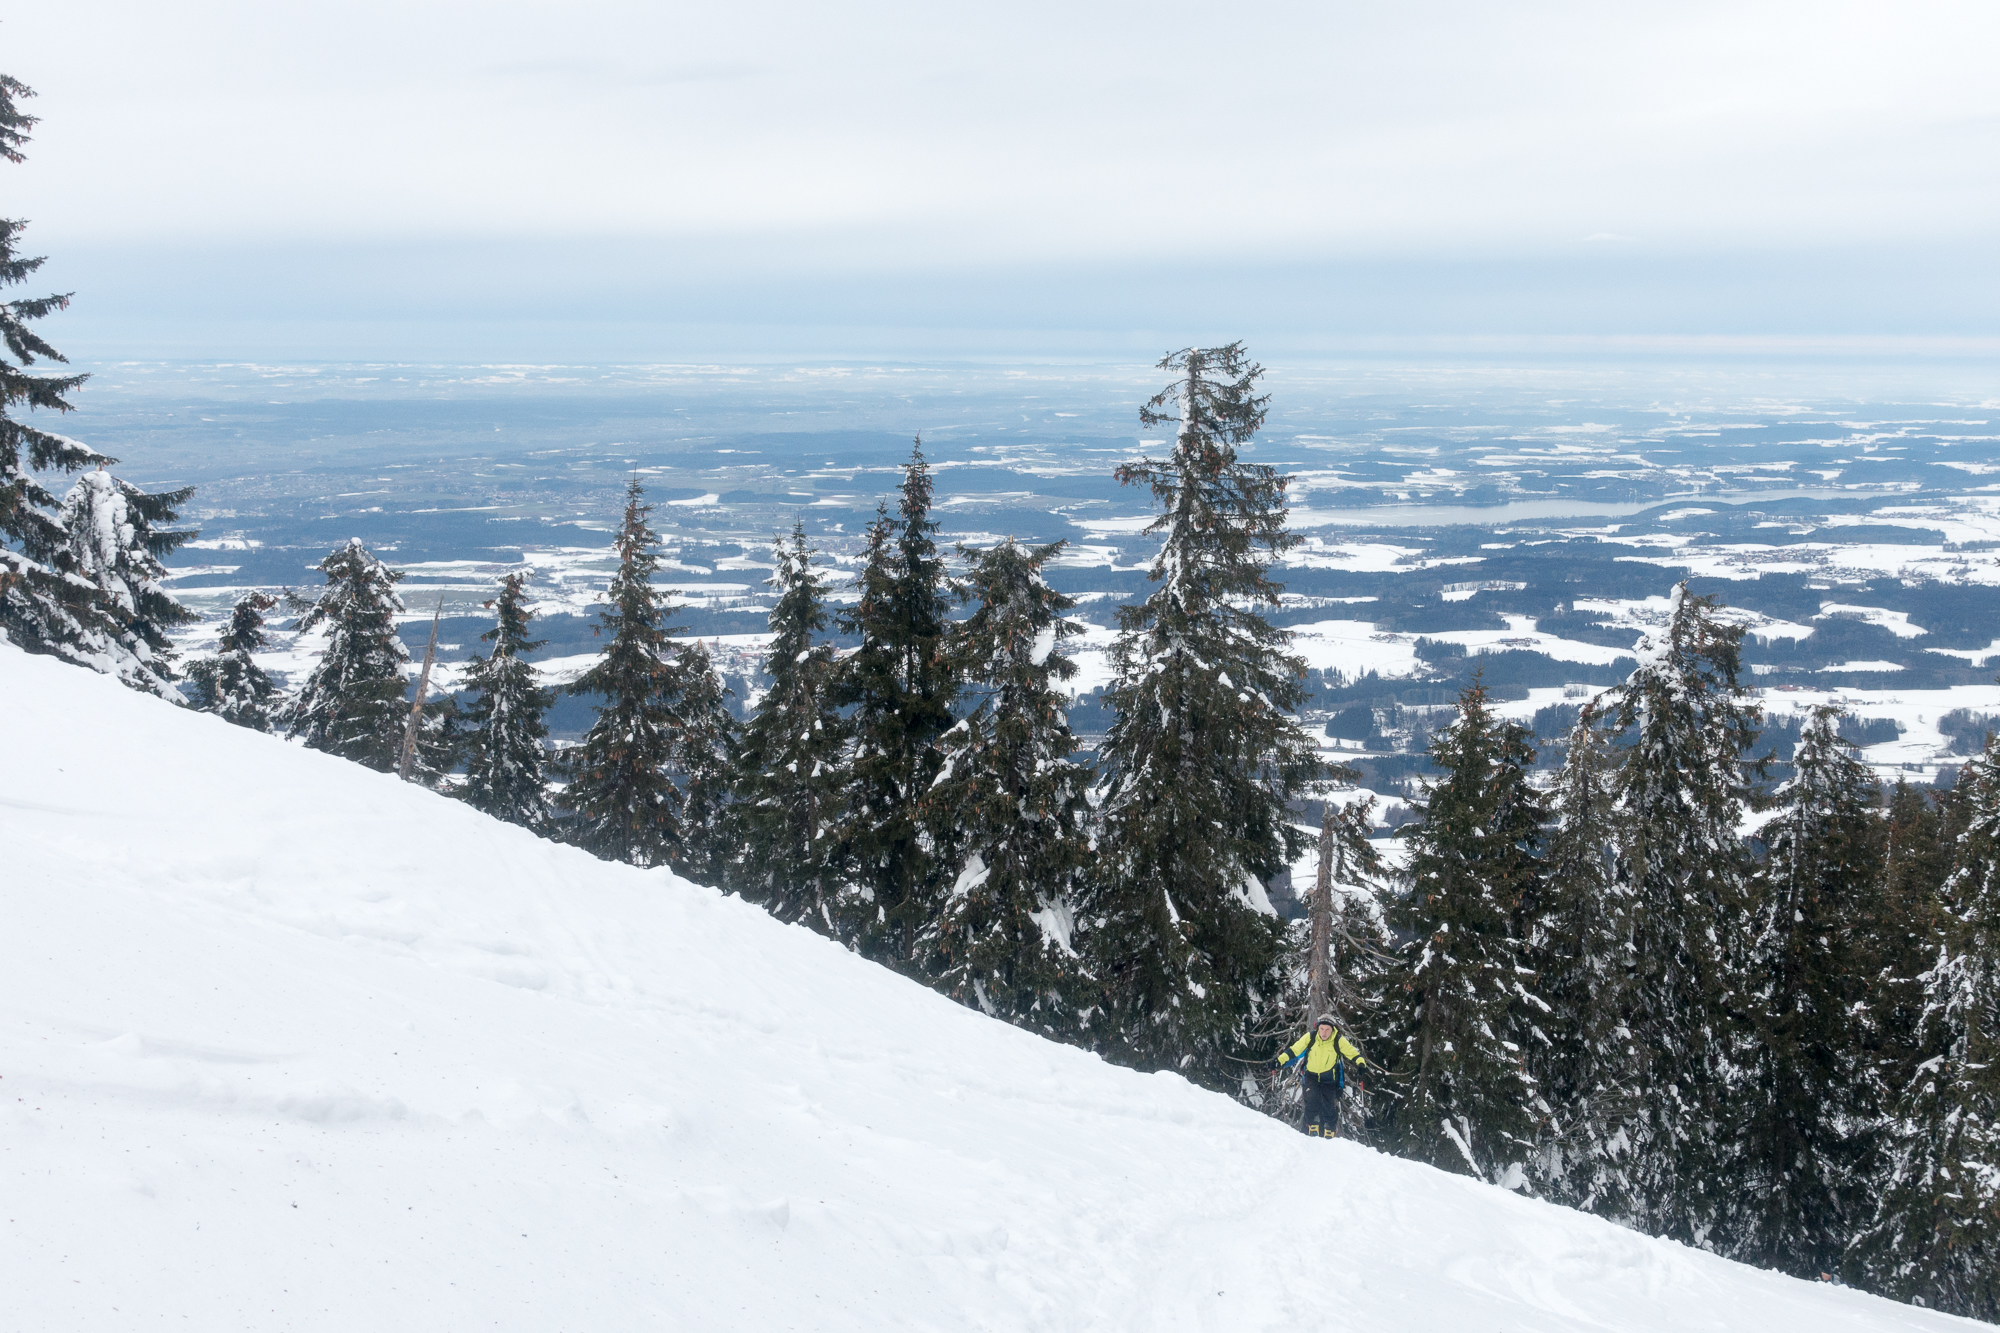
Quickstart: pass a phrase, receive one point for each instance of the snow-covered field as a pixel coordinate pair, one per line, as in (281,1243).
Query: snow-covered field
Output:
(287,1045)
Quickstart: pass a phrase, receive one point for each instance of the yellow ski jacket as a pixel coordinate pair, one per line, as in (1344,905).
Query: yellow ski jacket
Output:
(1320,1055)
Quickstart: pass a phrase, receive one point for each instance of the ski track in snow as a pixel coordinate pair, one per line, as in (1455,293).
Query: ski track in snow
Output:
(287,1044)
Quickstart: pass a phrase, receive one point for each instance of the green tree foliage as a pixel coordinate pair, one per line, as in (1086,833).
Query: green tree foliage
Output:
(1205,751)
(507,738)
(1811,1089)
(788,779)
(1469,1104)
(623,802)
(1682,791)
(113,537)
(1936,1235)
(231,684)
(1918,834)
(1011,804)
(352,704)
(705,744)
(1576,938)
(898,688)
(80,581)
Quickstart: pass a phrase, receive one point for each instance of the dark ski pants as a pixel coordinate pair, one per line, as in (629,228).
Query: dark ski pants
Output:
(1322,1106)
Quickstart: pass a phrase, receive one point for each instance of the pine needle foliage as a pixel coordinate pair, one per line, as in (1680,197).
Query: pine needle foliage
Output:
(1012,804)
(91,597)
(14,122)
(1936,1236)
(352,704)
(1470,1104)
(1205,752)
(788,781)
(875,837)
(1919,830)
(705,746)
(231,684)
(40,609)
(1811,1095)
(115,538)
(1576,941)
(1682,790)
(506,768)
(623,802)
(897,689)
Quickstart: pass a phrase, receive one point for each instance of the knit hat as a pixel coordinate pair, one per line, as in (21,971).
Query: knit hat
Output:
(1326,1019)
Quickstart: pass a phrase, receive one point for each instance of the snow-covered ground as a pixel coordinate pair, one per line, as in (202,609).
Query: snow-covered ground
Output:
(285,1044)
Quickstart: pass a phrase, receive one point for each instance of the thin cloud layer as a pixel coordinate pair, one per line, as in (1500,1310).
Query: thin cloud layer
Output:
(626,158)
(1026,131)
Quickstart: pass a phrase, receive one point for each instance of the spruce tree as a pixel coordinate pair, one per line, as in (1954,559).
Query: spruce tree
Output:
(231,684)
(706,740)
(1917,855)
(1918,848)
(1811,1090)
(899,686)
(1576,938)
(1011,804)
(1935,1237)
(41,609)
(87,591)
(1469,1103)
(113,538)
(788,780)
(1682,790)
(622,799)
(867,691)
(352,704)
(507,738)
(1205,752)
(440,742)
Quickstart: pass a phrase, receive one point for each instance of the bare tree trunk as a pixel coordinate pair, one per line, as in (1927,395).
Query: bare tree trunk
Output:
(409,758)
(1320,913)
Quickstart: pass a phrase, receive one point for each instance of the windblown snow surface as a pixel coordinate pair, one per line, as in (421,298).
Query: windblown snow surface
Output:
(285,1044)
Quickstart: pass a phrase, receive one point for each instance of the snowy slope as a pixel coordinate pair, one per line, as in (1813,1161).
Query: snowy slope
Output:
(287,1045)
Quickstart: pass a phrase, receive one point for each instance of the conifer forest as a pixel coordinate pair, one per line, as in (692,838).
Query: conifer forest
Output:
(1641,968)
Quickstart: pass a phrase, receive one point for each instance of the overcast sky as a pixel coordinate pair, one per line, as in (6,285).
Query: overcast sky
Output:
(1408,168)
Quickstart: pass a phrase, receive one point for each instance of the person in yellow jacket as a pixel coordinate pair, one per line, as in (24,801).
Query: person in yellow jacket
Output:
(1321,1054)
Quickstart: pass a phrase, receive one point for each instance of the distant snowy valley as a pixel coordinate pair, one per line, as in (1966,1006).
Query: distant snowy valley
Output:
(1449,524)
